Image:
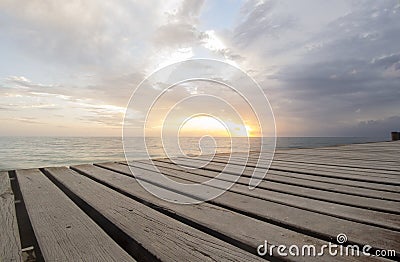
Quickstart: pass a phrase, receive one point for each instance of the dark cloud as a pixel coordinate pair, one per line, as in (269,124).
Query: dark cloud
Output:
(392,60)
(374,128)
(352,74)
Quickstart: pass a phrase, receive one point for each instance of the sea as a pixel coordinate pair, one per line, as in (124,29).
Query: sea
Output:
(35,152)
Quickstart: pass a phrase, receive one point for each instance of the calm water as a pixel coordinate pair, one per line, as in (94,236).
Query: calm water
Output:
(29,152)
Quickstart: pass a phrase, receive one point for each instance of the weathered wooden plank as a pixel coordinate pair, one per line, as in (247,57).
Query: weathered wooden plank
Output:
(367,146)
(251,232)
(367,188)
(352,155)
(305,163)
(322,171)
(360,154)
(366,150)
(339,153)
(63,231)
(360,146)
(308,156)
(310,223)
(165,238)
(350,187)
(369,149)
(340,176)
(337,172)
(10,245)
(377,167)
(389,221)
(333,180)
(276,176)
(337,169)
(356,164)
(349,155)
(345,199)
(387,168)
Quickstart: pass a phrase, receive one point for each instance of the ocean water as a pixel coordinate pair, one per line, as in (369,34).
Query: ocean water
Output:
(33,152)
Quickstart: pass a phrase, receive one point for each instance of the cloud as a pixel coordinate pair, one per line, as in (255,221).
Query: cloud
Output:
(26,120)
(260,21)
(391,64)
(388,61)
(20,86)
(351,72)
(181,27)
(325,66)
(86,34)
(377,127)
(33,103)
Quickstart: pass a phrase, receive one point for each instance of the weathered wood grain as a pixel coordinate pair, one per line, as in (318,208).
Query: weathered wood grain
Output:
(250,233)
(337,169)
(322,171)
(330,166)
(10,245)
(389,221)
(307,162)
(276,177)
(308,197)
(339,155)
(63,231)
(310,223)
(164,237)
(384,167)
(331,180)
(340,198)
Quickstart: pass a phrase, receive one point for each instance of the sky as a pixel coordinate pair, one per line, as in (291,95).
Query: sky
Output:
(328,68)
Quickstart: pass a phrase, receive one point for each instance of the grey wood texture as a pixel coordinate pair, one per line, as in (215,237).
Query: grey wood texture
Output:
(311,222)
(162,236)
(10,245)
(63,231)
(248,231)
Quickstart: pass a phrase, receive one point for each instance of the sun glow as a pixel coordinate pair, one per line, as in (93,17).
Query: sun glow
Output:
(207,125)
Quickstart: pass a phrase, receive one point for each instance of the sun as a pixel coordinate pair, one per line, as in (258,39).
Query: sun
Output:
(206,125)
(248,129)
(203,125)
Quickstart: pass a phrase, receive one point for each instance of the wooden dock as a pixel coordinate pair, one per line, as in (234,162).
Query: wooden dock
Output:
(99,212)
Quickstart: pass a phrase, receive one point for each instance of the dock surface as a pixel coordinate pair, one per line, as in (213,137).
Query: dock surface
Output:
(310,197)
